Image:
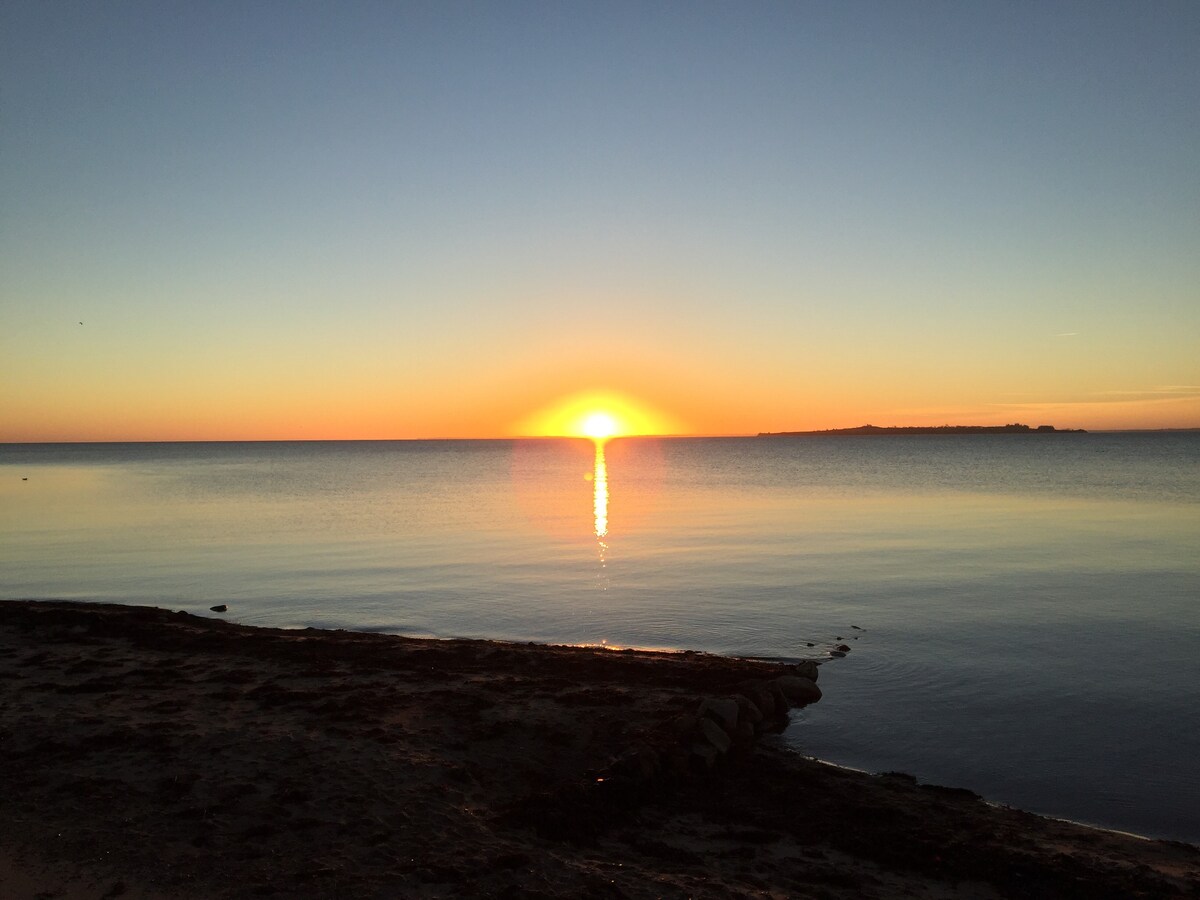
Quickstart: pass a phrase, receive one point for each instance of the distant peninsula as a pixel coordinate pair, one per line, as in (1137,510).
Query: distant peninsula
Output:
(1015,428)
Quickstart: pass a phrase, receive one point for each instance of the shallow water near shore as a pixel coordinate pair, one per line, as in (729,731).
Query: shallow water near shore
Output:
(1023,611)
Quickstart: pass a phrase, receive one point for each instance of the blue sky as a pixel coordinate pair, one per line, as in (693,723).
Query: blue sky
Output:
(409,220)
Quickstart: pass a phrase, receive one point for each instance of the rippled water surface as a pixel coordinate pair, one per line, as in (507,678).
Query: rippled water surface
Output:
(1023,610)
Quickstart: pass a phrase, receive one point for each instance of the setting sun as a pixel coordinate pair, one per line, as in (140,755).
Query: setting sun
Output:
(599,426)
(598,416)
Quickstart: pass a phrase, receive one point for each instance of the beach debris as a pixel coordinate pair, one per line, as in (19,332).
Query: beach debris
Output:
(220,607)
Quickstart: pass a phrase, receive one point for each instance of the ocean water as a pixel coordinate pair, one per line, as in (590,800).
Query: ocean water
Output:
(1023,611)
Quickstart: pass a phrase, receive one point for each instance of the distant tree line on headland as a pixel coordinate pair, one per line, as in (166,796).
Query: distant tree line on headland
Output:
(1014,428)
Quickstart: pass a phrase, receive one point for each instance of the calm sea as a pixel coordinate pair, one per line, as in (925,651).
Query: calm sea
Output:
(1023,611)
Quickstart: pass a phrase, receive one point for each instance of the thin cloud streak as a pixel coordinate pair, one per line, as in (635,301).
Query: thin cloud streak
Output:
(1165,391)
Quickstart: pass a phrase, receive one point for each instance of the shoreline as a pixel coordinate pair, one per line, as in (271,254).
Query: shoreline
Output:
(160,754)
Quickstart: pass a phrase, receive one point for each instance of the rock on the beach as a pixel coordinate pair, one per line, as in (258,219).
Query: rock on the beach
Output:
(764,699)
(220,607)
(723,709)
(807,669)
(799,691)
(748,712)
(782,703)
(715,735)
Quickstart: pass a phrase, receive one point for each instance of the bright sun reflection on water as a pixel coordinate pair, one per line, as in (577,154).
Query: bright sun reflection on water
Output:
(600,503)
(600,499)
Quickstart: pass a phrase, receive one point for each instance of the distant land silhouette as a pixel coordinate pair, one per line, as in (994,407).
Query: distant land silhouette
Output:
(1014,428)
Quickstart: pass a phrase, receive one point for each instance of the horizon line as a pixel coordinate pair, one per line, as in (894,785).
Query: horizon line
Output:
(542,437)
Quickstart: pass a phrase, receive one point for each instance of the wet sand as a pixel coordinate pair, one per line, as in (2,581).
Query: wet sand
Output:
(149,754)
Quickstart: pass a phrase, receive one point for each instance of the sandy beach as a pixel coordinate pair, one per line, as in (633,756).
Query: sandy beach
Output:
(150,753)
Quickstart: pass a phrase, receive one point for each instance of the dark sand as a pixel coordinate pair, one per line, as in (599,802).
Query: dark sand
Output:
(154,754)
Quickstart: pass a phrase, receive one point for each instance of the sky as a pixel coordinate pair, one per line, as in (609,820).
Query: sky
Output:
(292,220)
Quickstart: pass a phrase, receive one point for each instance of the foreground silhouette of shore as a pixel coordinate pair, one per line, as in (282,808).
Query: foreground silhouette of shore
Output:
(157,754)
(1014,428)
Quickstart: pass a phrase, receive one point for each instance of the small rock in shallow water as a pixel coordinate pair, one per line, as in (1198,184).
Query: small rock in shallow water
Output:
(843,648)
(220,607)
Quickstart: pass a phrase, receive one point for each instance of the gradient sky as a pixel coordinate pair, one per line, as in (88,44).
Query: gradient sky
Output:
(394,220)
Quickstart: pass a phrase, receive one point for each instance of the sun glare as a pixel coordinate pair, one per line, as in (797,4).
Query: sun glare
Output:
(600,426)
(598,416)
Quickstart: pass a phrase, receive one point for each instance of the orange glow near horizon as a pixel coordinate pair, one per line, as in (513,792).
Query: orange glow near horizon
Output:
(82,400)
(597,415)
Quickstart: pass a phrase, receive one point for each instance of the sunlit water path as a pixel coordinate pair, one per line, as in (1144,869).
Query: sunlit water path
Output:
(1023,611)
